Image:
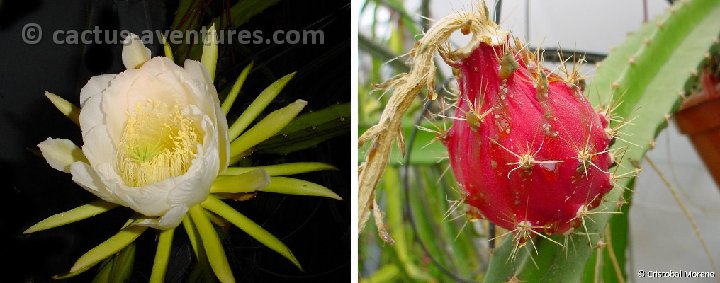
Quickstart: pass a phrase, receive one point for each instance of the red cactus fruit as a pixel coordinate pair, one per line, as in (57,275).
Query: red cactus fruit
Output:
(528,148)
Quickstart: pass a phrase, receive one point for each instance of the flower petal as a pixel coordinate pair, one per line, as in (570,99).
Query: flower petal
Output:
(160,65)
(95,86)
(196,182)
(173,217)
(61,153)
(223,142)
(169,220)
(86,177)
(98,147)
(197,71)
(207,100)
(134,52)
(150,200)
(223,138)
(201,94)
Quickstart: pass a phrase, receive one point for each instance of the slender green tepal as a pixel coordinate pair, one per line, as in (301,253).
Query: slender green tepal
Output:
(162,256)
(67,108)
(264,129)
(235,90)
(76,214)
(109,247)
(210,51)
(292,186)
(284,169)
(251,228)
(212,245)
(257,106)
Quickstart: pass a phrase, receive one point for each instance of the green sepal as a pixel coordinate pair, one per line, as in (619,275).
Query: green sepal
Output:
(284,169)
(248,226)
(212,245)
(76,214)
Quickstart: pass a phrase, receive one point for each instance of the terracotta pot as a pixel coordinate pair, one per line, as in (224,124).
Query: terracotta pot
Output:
(700,120)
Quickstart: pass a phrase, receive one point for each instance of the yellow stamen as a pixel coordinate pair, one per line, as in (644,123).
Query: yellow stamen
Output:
(158,142)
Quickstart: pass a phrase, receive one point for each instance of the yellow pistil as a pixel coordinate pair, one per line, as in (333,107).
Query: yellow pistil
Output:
(158,142)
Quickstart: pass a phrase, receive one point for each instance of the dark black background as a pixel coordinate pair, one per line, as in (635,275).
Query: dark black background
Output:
(317,230)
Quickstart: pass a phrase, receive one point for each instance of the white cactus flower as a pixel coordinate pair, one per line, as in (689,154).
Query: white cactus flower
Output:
(155,137)
(156,140)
